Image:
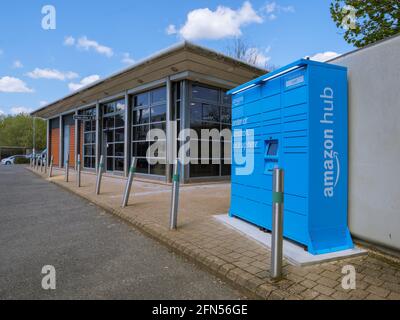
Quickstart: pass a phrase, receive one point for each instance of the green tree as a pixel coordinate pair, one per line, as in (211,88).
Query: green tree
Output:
(374,20)
(17,131)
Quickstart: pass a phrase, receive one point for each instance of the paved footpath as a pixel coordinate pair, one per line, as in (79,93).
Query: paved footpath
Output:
(228,253)
(96,255)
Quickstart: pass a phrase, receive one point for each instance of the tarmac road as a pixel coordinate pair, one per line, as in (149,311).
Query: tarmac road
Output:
(95,255)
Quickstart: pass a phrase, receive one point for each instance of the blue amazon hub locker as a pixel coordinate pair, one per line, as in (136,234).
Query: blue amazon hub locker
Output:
(294,118)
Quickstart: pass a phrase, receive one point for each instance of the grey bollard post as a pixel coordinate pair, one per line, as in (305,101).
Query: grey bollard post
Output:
(41,165)
(277,224)
(128,186)
(51,167)
(67,169)
(30,162)
(175,196)
(78,172)
(45,166)
(99,174)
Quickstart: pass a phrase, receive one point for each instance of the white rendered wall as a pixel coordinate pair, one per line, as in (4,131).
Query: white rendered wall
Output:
(374,145)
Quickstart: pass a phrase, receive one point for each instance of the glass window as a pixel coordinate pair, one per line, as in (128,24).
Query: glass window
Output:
(110,149)
(88,150)
(157,169)
(88,126)
(158,95)
(141,100)
(198,126)
(108,123)
(158,113)
(114,134)
(88,138)
(196,112)
(210,113)
(142,166)
(139,149)
(226,170)
(119,120)
(204,93)
(161,126)
(204,170)
(120,105)
(119,164)
(139,132)
(119,149)
(214,115)
(87,162)
(226,99)
(109,108)
(150,115)
(110,136)
(141,116)
(226,115)
(110,164)
(119,135)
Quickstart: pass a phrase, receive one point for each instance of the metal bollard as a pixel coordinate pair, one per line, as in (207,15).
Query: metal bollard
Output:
(45,167)
(41,165)
(175,195)
(99,174)
(67,169)
(277,224)
(51,167)
(78,172)
(129,183)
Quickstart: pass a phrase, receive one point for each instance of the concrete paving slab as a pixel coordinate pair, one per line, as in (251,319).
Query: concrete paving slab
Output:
(294,253)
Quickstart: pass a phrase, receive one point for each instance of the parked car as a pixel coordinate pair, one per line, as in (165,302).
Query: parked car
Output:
(41,156)
(12,160)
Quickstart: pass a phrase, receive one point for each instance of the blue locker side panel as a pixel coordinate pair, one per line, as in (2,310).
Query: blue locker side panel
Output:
(328,188)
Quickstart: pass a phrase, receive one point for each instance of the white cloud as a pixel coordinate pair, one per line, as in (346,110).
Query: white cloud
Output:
(324,56)
(126,58)
(69,41)
(272,9)
(221,23)
(171,29)
(84,82)
(257,56)
(13,85)
(17,64)
(2,113)
(86,44)
(52,74)
(43,103)
(19,110)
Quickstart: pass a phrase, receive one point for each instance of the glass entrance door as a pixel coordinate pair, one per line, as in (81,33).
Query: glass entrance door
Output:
(113,136)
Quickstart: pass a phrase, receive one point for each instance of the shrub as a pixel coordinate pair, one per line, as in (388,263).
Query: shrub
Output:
(21,161)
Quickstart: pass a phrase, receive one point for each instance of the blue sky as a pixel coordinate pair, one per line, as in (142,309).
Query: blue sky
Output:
(93,39)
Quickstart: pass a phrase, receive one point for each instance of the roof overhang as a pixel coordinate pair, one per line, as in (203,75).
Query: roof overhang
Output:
(182,61)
